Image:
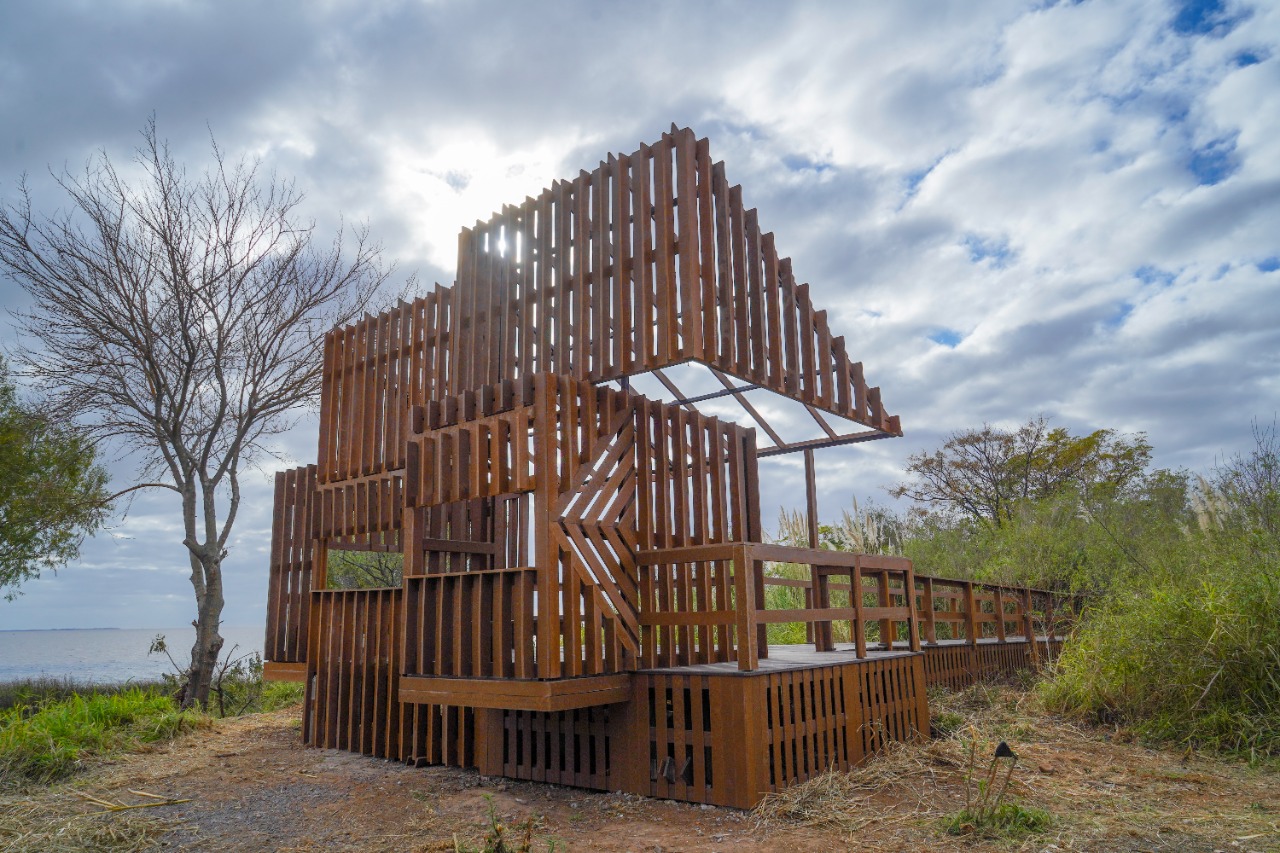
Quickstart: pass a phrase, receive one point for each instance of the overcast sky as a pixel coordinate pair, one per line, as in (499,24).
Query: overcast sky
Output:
(1009,208)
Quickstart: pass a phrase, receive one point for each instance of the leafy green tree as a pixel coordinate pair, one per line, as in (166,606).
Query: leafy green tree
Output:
(53,493)
(984,474)
(363,569)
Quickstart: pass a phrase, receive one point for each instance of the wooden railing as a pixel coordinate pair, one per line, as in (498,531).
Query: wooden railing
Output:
(707,604)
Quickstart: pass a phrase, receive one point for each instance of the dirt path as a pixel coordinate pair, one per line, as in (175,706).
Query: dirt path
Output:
(253,787)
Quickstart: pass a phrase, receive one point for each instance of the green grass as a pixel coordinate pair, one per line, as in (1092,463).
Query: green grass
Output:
(50,727)
(1193,659)
(45,742)
(34,692)
(1007,820)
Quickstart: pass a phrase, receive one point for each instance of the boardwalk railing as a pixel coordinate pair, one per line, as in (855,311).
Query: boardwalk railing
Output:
(707,604)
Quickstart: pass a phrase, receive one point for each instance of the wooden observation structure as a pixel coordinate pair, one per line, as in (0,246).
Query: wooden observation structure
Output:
(584,568)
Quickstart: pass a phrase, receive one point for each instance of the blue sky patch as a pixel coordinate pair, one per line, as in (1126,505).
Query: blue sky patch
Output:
(1215,162)
(1154,275)
(1246,58)
(947,337)
(1201,17)
(1116,320)
(800,163)
(1270,264)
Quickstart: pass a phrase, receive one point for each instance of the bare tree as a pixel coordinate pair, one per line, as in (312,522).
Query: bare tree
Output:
(182,317)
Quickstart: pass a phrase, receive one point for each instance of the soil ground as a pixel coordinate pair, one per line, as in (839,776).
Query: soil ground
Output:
(251,786)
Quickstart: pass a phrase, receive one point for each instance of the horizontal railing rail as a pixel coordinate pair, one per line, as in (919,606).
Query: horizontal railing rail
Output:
(707,604)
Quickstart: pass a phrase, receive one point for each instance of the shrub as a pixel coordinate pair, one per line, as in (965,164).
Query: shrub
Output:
(1193,658)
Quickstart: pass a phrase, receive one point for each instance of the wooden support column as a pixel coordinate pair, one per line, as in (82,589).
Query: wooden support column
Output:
(547,560)
(909,599)
(1000,617)
(971,629)
(811,629)
(855,597)
(970,614)
(886,625)
(744,586)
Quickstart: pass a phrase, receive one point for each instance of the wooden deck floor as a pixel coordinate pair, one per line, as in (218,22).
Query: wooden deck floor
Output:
(806,656)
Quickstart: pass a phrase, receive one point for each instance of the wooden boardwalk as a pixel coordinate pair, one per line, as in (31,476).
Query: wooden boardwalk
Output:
(585,593)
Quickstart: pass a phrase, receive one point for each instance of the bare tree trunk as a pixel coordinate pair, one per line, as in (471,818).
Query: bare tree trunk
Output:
(200,515)
(180,317)
(208,645)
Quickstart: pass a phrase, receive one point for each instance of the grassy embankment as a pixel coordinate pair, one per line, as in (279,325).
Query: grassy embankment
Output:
(51,727)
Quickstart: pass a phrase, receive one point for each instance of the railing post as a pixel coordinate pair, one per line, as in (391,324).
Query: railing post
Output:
(999,594)
(744,587)
(930,626)
(909,599)
(970,614)
(855,598)
(1029,626)
(811,510)
(886,625)
(757,583)
(823,641)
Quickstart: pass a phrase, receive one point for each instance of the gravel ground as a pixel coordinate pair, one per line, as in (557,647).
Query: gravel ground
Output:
(252,786)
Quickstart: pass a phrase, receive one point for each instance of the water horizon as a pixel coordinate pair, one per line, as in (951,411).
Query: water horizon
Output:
(106,655)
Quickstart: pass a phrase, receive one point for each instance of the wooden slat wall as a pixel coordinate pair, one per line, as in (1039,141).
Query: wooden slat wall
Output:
(959,665)
(688,613)
(648,261)
(730,739)
(471,624)
(293,537)
(439,734)
(353,667)
(351,512)
(696,479)
(561,747)
(597,458)
(835,716)
(374,372)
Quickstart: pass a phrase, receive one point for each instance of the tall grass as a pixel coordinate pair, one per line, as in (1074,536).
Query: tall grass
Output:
(42,690)
(47,742)
(1189,649)
(1192,658)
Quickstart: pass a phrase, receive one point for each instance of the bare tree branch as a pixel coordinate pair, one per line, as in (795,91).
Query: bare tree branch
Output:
(180,316)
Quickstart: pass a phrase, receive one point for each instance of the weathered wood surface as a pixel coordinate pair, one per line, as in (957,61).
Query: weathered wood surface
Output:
(583,595)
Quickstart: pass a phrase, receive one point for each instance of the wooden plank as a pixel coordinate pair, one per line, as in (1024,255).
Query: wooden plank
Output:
(284,671)
(688,246)
(517,694)
(707,309)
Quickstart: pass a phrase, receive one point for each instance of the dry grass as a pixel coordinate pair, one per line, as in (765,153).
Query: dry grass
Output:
(65,823)
(1102,790)
(254,787)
